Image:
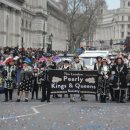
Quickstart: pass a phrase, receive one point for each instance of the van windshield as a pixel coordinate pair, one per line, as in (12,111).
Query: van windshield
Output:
(88,61)
(94,54)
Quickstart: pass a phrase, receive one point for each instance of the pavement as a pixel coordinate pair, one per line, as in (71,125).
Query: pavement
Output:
(61,114)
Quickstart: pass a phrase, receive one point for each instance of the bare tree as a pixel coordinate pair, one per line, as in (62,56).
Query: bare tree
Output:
(82,16)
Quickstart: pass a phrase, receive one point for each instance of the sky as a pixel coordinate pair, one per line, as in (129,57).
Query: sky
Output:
(113,4)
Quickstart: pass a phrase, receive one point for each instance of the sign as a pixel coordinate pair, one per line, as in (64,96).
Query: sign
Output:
(73,82)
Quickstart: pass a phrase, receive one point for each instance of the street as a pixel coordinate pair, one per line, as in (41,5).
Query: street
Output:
(60,114)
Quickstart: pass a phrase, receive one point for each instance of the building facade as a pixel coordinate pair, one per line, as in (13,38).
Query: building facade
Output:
(31,23)
(10,22)
(114,25)
(57,27)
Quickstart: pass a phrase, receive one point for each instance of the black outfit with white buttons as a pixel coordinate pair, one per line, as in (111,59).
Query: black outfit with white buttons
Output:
(9,73)
(26,80)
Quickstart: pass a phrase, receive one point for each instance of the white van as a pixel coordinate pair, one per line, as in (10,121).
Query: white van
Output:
(89,57)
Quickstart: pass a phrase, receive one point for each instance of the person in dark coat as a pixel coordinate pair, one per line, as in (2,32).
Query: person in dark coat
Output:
(98,63)
(111,66)
(121,71)
(66,66)
(35,85)
(104,78)
(97,66)
(46,88)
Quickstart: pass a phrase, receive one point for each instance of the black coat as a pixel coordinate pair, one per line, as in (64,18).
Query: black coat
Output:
(121,72)
(51,66)
(96,67)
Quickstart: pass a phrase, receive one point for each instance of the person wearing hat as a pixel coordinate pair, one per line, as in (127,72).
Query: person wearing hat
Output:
(77,65)
(9,74)
(121,71)
(128,77)
(35,83)
(124,57)
(66,66)
(96,68)
(111,66)
(104,77)
(98,63)
(25,80)
(41,74)
(46,88)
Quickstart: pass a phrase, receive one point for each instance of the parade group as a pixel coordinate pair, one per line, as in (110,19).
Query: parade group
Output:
(26,71)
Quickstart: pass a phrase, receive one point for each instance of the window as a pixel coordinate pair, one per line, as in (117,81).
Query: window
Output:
(22,40)
(128,3)
(101,11)
(26,23)
(122,34)
(128,33)
(122,18)
(128,18)
(30,25)
(128,26)
(122,26)
(22,23)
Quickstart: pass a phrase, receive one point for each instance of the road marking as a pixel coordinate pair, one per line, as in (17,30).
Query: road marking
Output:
(26,115)
(35,110)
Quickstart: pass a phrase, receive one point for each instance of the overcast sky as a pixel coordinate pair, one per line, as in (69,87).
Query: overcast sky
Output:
(113,4)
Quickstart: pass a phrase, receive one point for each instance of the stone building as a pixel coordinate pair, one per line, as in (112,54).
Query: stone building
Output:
(114,24)
(10,22)
(57,26)
(34,23)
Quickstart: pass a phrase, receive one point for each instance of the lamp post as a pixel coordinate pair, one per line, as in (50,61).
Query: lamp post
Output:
(50,39)
(111,43)
(101,42)
(22,47)
(44,34)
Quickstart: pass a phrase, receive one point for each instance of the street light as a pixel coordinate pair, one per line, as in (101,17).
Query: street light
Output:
(101,42)
(44,34)
(22,43)
(111,43)
(50,39)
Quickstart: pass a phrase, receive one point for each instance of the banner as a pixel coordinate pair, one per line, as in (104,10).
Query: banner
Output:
(73,82)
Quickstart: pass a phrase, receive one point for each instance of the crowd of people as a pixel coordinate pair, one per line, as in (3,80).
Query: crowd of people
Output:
(113,77)
(26,70)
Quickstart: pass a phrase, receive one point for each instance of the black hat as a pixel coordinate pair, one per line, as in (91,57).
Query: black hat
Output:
(66,61)
(99,57)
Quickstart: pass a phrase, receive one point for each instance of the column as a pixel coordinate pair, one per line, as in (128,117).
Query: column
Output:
(2,26)
(14,34)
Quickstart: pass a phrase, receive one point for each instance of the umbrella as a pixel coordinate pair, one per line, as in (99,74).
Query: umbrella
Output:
(56,59)
(7,59)
(42,59)
(16,58)
(2,63)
